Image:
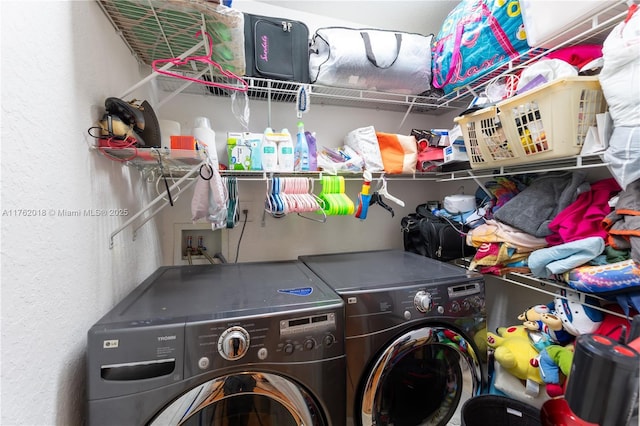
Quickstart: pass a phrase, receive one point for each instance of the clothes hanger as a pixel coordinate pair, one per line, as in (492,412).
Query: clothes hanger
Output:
(383,191)
(158,63)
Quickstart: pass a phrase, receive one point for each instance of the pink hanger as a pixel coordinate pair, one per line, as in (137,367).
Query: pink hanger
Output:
(205,59)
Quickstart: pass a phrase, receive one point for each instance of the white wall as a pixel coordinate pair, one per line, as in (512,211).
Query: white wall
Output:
(291,236)
(60,60)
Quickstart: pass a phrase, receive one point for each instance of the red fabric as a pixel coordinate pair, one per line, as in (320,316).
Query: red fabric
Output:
(612,324)
(583,218)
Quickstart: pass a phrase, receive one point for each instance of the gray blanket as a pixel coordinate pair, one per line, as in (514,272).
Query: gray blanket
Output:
(534,208)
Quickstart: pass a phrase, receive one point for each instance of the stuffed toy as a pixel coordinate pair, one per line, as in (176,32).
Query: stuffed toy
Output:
(534,313)
(550,325)
(567,319)
(577,318)
(553,360)
(514,352)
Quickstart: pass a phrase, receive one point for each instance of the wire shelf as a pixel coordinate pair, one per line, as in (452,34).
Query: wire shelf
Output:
(156,29)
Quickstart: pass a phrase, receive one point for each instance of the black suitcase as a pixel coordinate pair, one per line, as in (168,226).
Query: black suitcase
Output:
(276,48)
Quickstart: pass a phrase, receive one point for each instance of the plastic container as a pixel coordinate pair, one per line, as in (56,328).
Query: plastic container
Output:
(286,158)
(301,163)
(204,134)
(313,150)
(496,410)
(545,123)
(570,18)
(269,150)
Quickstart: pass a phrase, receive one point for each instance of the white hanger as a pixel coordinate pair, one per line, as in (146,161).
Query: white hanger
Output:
(383,191)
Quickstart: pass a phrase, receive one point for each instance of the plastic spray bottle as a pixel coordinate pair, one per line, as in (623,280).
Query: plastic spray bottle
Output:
(302,150)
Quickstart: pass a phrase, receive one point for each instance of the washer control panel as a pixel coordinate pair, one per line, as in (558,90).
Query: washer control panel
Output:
(211,345)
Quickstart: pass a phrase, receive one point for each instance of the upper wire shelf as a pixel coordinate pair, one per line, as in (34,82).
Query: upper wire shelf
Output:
(155,29)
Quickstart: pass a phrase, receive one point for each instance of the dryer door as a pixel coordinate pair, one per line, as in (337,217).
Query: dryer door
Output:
(243,399)
(422,378)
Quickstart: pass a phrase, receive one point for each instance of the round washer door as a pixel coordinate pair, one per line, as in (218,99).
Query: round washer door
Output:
(422,378)
(243,399)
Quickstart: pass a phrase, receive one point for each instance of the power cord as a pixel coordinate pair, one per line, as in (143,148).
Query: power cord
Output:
(245,212)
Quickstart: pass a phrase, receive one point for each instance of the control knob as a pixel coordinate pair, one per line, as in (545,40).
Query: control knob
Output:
(233,343)
(422,301)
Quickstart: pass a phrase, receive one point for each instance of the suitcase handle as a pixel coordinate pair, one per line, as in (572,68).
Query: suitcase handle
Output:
(372,57)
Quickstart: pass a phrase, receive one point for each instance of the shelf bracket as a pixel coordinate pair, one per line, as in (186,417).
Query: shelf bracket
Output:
(165,67)
(151,204)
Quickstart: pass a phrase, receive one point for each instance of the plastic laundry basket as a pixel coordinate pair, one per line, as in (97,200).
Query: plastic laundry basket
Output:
(496,410)
(545,123)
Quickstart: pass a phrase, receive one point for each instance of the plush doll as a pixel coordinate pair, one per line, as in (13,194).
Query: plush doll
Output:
(577,318)
(551,325)
(568,319)
(534,313)
(553,360)
(514,352)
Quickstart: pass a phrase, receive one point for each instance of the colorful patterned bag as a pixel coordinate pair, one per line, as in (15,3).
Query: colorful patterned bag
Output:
(476,37)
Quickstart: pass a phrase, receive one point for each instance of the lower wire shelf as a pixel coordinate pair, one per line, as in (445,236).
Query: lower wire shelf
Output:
(548,287)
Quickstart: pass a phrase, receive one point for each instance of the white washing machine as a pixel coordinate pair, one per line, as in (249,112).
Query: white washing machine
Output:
(411,325)
(251,344)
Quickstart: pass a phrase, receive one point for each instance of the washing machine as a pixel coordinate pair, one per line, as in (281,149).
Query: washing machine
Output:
(227,344)
(414,329)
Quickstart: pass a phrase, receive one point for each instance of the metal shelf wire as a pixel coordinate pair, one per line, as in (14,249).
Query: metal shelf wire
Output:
(154,29)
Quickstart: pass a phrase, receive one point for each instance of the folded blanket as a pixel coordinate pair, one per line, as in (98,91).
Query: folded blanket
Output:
(493,231)
(535,207)
(561,258)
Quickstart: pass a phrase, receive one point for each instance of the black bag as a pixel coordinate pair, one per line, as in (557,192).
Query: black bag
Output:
(432,236)
(276,48)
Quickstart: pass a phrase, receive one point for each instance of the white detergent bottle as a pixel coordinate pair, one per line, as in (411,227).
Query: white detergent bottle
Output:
(269,151)
(205,135)
(286,157)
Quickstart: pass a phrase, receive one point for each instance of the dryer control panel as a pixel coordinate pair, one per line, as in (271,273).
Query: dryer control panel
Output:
(377,310)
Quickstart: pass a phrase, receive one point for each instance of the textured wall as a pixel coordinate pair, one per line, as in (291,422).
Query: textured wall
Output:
(60,60)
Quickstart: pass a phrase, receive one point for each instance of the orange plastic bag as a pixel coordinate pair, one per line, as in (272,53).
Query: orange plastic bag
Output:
(399,153)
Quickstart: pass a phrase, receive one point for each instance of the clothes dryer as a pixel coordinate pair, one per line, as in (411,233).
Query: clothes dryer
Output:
(228,344)
(411,329)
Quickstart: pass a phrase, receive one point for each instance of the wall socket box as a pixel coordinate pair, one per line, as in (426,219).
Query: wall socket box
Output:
(195,234)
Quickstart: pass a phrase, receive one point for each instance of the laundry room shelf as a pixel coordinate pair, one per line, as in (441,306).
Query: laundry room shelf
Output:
(577,162)
(154,29)
(548,287)
(174,161)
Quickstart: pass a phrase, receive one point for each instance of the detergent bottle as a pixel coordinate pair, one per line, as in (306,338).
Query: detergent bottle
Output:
(301,163)
(269,151)
(205,135)
(285,151)
(312,147)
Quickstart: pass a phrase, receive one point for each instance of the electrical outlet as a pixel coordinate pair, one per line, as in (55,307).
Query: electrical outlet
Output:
(246,206)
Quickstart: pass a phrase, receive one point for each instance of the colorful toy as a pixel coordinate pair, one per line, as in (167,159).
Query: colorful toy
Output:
(551,325)
(564,319)
(534,313)
(514,352)
(577,318)
(553,360)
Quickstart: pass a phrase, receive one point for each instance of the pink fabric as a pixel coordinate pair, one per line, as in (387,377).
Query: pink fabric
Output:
(583,218)
(578,56)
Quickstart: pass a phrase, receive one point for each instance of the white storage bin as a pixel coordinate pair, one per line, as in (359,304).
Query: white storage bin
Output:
(550,22)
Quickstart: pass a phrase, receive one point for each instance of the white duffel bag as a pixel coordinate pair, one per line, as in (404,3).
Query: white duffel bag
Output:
(620,75)
(371,59)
